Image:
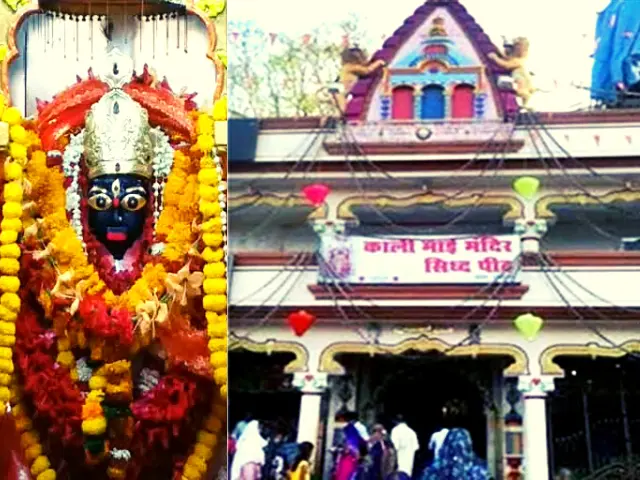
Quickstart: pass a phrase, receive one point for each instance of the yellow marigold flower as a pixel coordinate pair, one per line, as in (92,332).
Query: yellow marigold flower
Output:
(220,109)
(205,143)
(5,379)
(218,359)
(12,210)
(209,193)
(215,303)
(204,125)
(95,396)
(11,224)
(7,340)
(214,270)
(215,286)
(29,438)
(94,426)
(48,474)
(13,192)
(39,465)
(18,134)
(7,315)
(190,473)
(8,236)
(18,410)
(12,171)
(66,358)
(208,176)
(218,345)
(206,438)
(12,116)
(6,366)
(212,225)
(210,209)
(220,375)
(212,239)
(117,368)
(217,329)
(6,352)
(213,255)
(7,328)
(11,250)
(17,151)
(197,463)
(223,391)
(5,394)
(9,284)
(11,301)
(97,382)
(9,266)
(33,452)
(207,162)
(203,452)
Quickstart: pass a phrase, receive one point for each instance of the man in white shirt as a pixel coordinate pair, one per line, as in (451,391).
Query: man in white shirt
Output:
(405,441)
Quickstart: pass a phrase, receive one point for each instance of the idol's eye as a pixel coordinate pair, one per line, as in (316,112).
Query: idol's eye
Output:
(100,202)
(133,202)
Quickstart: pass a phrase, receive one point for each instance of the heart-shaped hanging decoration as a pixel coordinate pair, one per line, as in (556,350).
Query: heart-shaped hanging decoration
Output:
(316,193)
(529,325)
(301,321)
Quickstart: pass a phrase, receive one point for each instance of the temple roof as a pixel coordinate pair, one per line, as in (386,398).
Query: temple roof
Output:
(365,87)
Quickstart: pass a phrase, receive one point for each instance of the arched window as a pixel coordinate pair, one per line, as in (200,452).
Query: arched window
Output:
(402,103)
(462,101)
(432,103)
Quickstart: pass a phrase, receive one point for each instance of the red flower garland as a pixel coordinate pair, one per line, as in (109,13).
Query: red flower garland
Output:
(112,324)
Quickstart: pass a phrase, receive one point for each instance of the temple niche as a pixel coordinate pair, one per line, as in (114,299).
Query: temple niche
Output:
(437,71)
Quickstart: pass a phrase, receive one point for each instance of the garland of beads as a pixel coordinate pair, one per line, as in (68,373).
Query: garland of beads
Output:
(10,229)
(212,207)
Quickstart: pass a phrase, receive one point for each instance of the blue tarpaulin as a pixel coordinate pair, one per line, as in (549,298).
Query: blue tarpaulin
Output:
(617,56)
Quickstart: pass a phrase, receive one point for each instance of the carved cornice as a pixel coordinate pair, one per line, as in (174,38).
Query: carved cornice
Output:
(544,204)
(549,366)
(299,364)
(519,366)
(515,207)
(277,201)
(435,148)
(419,292)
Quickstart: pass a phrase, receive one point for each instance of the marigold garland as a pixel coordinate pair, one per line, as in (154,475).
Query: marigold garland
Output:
(212,201)
(66,281)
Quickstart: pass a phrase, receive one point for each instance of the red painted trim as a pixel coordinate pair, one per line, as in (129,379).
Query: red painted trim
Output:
(418,292)
(337,148)
(565,259)
(460,314)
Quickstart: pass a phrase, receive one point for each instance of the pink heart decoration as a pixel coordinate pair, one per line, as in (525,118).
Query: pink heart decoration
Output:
(301,321)
(316,193)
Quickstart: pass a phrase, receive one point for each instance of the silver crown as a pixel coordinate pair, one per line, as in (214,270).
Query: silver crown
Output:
(117,136)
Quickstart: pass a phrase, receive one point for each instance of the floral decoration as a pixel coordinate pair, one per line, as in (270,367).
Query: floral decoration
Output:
(71,322)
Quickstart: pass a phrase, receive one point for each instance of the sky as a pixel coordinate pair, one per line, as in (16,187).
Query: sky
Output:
(561,32)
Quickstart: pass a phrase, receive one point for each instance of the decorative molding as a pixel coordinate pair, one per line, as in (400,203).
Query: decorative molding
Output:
(311,382)
(277,201)
(345,208)
(330,365)
(456,315)
(548,365)
(453,147)
(33,8)
(544,204)
(569,258)
(536,386)
(299,364)
(418,292)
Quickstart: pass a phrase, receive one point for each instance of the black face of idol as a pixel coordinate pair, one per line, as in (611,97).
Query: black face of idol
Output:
(117,211)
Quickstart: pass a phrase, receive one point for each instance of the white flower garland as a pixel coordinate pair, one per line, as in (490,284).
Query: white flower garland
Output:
(162,163)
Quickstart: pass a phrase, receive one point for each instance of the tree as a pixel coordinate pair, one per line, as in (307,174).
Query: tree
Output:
(279,75)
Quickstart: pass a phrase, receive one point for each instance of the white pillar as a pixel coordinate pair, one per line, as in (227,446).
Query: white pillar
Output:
(312,385)
(536,457)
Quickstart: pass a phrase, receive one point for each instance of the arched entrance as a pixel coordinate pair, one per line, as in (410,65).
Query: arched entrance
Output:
(431,391)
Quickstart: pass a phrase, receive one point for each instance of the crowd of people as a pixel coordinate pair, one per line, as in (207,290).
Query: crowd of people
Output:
(258,451)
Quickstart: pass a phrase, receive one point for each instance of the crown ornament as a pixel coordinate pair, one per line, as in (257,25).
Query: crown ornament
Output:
(118,137)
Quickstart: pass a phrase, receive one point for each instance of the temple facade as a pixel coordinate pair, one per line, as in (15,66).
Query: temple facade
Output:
(443,253)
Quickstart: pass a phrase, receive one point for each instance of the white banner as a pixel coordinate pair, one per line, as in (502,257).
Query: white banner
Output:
(420,259)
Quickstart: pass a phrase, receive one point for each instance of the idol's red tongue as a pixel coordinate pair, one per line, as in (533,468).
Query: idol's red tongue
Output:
(116,236)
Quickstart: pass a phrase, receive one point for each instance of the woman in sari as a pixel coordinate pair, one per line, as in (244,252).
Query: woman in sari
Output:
(349,459)
(249,456)
(456,460)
